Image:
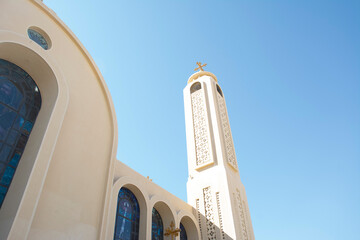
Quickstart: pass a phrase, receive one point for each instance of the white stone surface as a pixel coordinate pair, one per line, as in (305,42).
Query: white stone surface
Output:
(215,189)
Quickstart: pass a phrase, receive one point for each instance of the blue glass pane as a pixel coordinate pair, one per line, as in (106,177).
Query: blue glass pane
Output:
(2,167)
(23,110)
(157,232)
(4,71)
(183,235)
(3,190)
(17,91)
(4,153)
(18,122)
(12,137)
(10,94)
(27,127)
(123,229)
(127,216)
(15,159)
(7,177)
(38,38)
(21,142)
(125,208)
(7,117)
(33,114)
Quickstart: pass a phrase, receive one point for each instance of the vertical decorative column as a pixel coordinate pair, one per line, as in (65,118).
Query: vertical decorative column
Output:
(209,214)
(201,126)
(214,186)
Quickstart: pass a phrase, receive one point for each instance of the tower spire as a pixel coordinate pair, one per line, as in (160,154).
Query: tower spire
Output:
(214,186)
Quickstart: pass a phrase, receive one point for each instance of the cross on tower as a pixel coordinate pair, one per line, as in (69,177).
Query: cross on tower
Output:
(200,66)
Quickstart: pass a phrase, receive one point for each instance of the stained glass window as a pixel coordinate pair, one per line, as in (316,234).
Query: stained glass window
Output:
(183,235)
(157,232)
(38,38)
(20,102)
(127,216)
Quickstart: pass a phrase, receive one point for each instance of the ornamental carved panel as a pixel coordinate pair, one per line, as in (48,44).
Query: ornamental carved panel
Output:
(229,147)
(220,215)
(201,132)
(209,214)
(199,215)
(242,215)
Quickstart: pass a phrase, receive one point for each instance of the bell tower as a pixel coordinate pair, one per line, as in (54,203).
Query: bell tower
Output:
(214,188)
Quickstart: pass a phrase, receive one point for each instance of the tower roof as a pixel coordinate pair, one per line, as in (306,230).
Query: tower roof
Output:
(200,74)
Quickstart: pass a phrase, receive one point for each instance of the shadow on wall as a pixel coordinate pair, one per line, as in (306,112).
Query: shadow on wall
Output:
(208,230)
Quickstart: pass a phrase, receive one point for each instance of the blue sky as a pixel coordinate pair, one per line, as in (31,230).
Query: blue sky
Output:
(290,72)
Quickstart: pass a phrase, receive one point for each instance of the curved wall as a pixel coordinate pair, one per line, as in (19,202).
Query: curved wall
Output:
(62,184)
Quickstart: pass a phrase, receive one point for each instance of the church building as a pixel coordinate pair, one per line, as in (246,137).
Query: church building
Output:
(49,88)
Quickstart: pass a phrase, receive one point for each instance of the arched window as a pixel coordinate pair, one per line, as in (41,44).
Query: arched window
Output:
(219,90)
(196,86)
(39,38)
(20,103)
(127,216)
(183,235)
(157,232)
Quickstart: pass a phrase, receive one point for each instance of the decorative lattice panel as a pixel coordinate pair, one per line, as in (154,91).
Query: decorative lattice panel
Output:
(199,215)
(242,215)
(201,132)
(220,215)
(230,151)
(209,214)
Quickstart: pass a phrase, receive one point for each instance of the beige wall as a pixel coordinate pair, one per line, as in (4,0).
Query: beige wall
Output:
(63,181)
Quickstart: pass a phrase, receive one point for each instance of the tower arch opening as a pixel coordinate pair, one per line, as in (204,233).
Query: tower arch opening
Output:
(196,86)
(219,90)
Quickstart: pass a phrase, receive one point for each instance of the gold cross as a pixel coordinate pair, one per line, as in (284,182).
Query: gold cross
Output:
(172,231)
(200,66)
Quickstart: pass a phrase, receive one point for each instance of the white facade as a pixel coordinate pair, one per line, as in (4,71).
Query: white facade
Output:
(214,187)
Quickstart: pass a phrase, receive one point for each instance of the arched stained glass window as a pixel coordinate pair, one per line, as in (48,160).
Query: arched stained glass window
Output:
(157,232)
(127,216)
(20,103)
(183,235)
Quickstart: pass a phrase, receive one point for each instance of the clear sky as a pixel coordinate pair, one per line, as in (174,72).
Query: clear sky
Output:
(290,72)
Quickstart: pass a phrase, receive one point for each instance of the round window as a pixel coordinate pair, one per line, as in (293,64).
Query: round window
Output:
(39,37)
